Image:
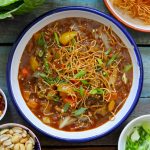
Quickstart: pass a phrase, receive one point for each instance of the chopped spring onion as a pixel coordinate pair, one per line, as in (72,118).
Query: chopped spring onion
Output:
(112,59)
(56,38)
(41,40)
(40,53)
(56,98)
(66,107)
(100,62)
(97,91)
(46,66)
(127,68)
(85,82)
(82,91)
(79,111)
(80,74)
(108,51)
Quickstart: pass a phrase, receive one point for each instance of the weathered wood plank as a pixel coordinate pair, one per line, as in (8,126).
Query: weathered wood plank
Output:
(81,148)
(141,109)
(10,29)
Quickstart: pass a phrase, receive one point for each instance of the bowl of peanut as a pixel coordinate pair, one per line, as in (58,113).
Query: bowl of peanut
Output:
(17,137)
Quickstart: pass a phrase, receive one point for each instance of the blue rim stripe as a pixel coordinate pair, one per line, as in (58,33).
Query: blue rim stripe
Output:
(97,12)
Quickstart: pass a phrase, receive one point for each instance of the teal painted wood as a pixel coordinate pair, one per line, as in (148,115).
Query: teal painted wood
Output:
(10,28)
(141,109)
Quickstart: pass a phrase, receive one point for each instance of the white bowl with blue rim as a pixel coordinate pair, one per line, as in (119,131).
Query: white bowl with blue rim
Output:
(39,23)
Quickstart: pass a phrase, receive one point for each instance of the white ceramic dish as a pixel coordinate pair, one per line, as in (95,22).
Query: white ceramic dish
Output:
(129,128)
(126,19)
(5,100)
(11,125)
(16,53)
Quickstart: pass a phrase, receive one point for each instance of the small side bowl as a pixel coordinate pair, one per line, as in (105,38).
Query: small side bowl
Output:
(126,19)
(5,100)
(11,125)
(129,128)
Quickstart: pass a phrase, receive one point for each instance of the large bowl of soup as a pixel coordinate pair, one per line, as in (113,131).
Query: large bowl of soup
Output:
(75,74)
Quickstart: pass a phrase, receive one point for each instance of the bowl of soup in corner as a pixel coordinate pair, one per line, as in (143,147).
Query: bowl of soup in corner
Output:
(75,74)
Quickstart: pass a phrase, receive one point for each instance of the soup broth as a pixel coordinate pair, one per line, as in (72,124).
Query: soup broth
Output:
(75,74)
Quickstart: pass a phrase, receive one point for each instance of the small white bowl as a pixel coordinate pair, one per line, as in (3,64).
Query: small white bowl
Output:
(11,125)
(129,128)
(126,19)
(5,100)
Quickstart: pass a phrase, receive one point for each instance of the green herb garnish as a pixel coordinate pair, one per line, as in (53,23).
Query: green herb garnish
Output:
(108,51)
(79,111)
(100,62)
(41,41)
(56,38)
(80,74)
(96,91)
(112,59)
(85,82)
(127,68)
(66,107)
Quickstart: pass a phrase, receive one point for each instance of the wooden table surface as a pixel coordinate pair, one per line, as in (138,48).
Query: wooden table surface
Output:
(10,29)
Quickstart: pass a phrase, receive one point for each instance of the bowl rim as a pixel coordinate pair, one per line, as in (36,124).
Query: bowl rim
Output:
(5,101)
(24,127)
(122,21)
(130,124)
(94,11)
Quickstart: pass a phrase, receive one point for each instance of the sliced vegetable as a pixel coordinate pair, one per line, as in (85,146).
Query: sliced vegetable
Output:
(24,72)
(66,121)
(111,105)
(82,91)
(127,68)
(46,120)
(124,78)
(146,127)
(26,95)
(85,82)
(100,62)
(65,88)
(32,104)
(56,38)
(40,53)
(41,41)
(70,100)
(34,63)
(56,98)
(80,74)
(114,96)
(46,67)
(80,111)
(66,107)
(102,111)
(96,91)
(66,37)
(135,135)
(112,59)
(108,51)
(105,74)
